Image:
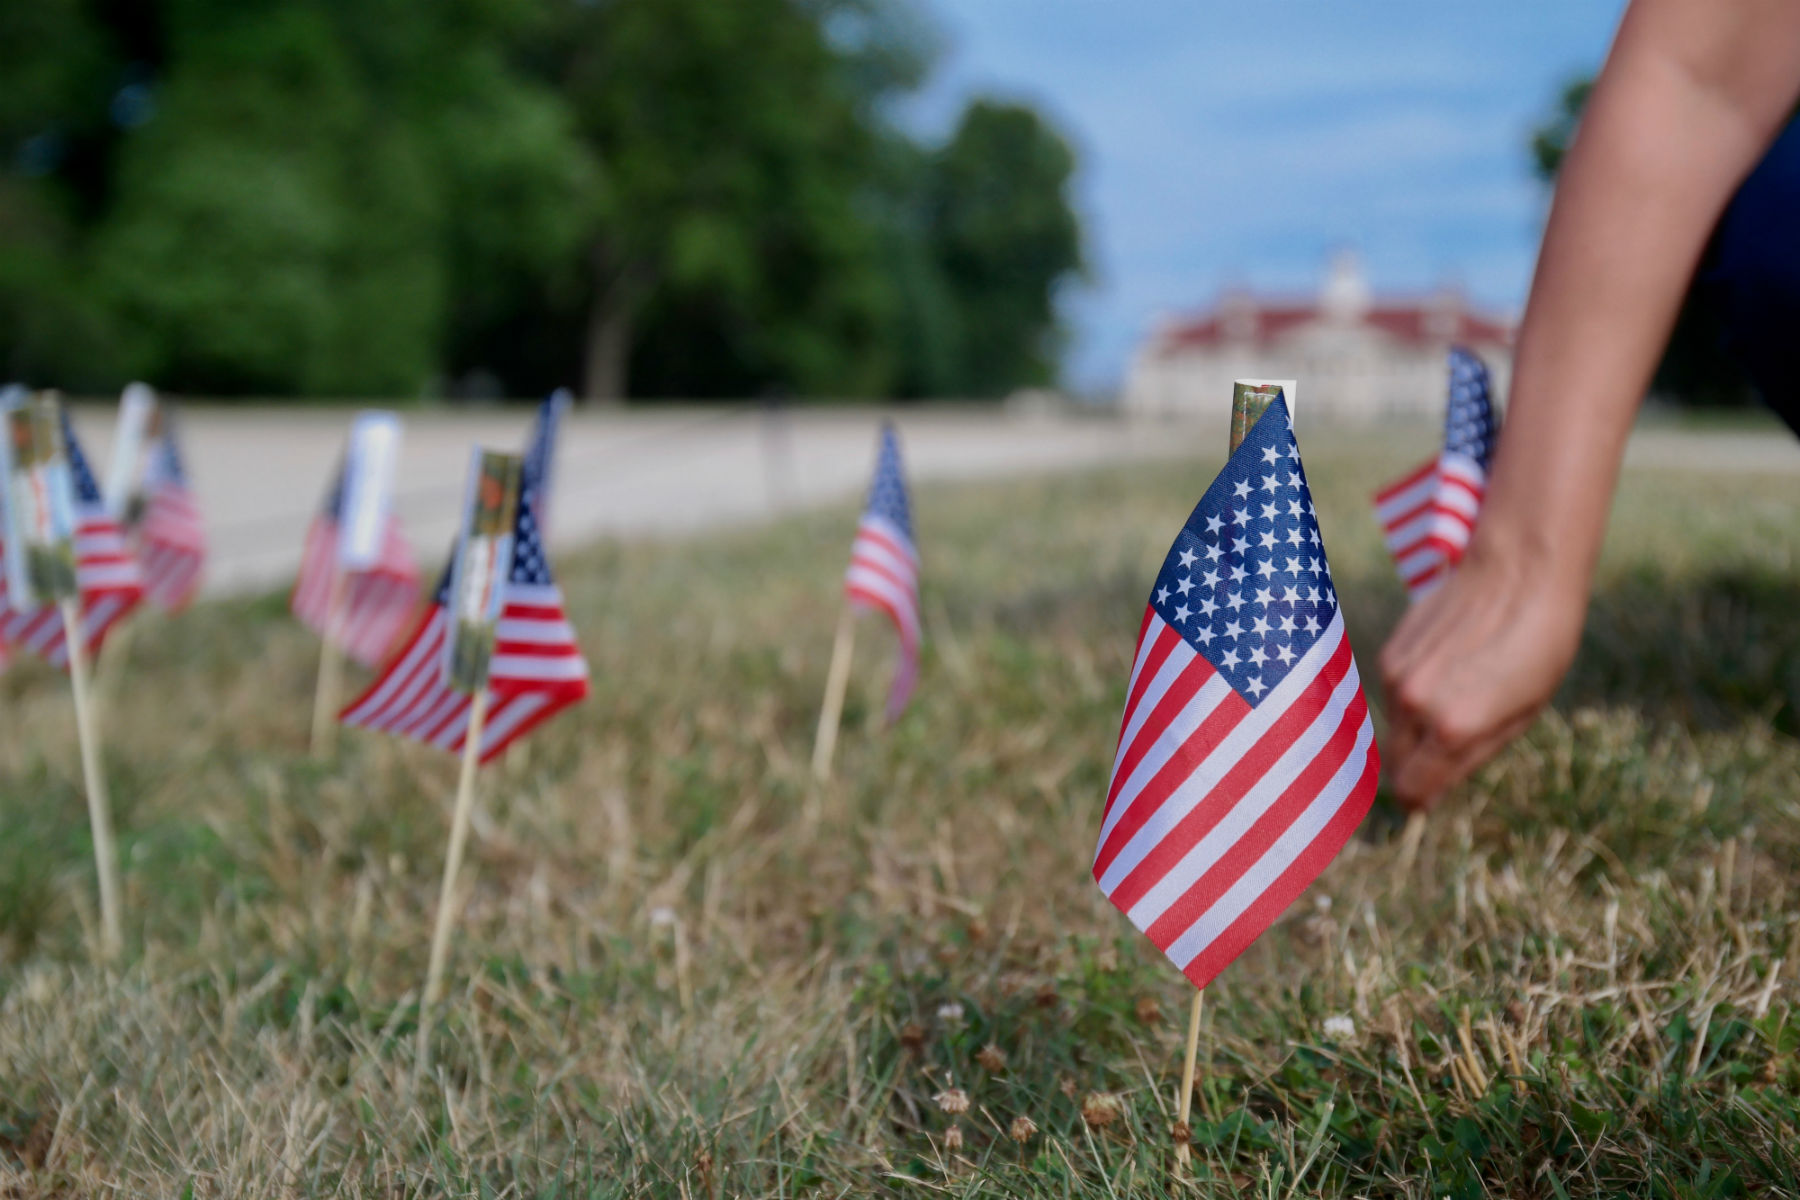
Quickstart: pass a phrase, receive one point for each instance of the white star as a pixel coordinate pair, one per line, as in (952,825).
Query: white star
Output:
(1187,558)
(1271,511)
(1287,623)
(1184,586)
(1268,483)
(1182,613)
(1262,596)
(1230,659)
(1205,635)
(1285,654)
(1254,686)
(1210,579)
(1257,657)
(1162,595)
(1212,553)
(1238,574)
(1242,489)
(1236,602)
(1293,508)
(1233,629)
(1268,539)
(1271,455)
(1208,607)
(1260,625)
(1312,624)
(1325,595)
(1266,569)
(1294,537)
(1214,524)
(1314,533)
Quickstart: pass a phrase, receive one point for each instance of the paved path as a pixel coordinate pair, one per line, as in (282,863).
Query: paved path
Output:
(260,472)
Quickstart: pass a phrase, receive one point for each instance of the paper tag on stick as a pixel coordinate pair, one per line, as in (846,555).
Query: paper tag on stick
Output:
(136,407)
(40,503)
(1250,398)
(368,488)
(483,557)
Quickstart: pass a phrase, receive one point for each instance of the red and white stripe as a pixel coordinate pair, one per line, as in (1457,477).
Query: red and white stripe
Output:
(1428,517)
(172,545)
(537,669)
(1219,813)
(379,603)
(884,576)
(110,585)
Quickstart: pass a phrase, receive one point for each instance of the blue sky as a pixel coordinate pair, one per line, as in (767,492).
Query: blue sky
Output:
(1240,142)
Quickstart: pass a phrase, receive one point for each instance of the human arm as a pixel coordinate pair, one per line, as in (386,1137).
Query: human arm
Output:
(1690,97)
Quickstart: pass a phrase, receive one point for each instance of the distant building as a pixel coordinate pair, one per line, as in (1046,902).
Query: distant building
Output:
(1355,356)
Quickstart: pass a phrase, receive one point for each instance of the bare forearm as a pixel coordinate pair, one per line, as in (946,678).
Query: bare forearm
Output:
(1693,92)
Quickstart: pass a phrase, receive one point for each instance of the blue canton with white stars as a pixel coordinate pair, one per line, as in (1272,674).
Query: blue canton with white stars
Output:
(887,495)
(1246,582)
(86,490)
(530,565)
(1469,427)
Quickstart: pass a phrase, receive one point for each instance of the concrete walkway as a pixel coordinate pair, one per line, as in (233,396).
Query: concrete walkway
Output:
(261,471)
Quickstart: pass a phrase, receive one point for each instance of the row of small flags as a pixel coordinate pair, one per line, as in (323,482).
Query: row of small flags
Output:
(1246,755)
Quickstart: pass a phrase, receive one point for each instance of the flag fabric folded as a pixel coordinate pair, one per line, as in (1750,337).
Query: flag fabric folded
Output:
(537,668)
(106,575)
(171,537)
(1428,515)
(884,566)
(1246,756)
(379,603)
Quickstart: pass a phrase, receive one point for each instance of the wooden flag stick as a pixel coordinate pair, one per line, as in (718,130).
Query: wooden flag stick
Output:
(1184,1108)
(331,668)
(105,860)
(837,681)
(446,914)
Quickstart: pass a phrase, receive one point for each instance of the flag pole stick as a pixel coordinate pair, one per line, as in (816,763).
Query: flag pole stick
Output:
(105,860)
(331,669)
(1185,1106)
(837,680)
(459,837)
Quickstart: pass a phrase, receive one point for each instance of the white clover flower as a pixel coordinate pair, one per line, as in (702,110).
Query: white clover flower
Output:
(1340,1028)
(950,1013)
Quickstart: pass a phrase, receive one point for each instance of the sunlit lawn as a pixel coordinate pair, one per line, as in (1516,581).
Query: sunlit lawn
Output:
(670,983)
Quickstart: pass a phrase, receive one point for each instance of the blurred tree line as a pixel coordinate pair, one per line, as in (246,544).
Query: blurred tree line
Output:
(388,197)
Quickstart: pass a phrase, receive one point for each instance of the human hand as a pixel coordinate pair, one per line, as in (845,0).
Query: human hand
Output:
(1471,665)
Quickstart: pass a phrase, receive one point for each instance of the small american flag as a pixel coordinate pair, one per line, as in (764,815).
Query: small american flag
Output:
(379,603)
(537,669)
(1429,514)
(106,574)
(884,566)
(1246,757)
(171,537)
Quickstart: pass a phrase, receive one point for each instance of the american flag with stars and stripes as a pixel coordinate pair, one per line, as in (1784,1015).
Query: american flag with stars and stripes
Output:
(171,537)
(379,602)
(537,668)
(106,575)
(1246,757)
(1428,515)
(884,566)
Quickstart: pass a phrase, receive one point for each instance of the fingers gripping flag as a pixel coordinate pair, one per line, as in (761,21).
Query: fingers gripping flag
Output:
(172,539)
(1246,757)
(1428,515)
(378,603)
(106,575)
(884,566)
(537,669)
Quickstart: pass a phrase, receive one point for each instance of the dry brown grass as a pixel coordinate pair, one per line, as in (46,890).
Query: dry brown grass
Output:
(668,983)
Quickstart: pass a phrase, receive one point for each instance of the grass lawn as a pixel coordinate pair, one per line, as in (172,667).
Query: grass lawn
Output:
(668,982)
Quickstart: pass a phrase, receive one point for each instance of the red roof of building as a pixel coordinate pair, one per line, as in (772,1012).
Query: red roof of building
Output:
(1418,323)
